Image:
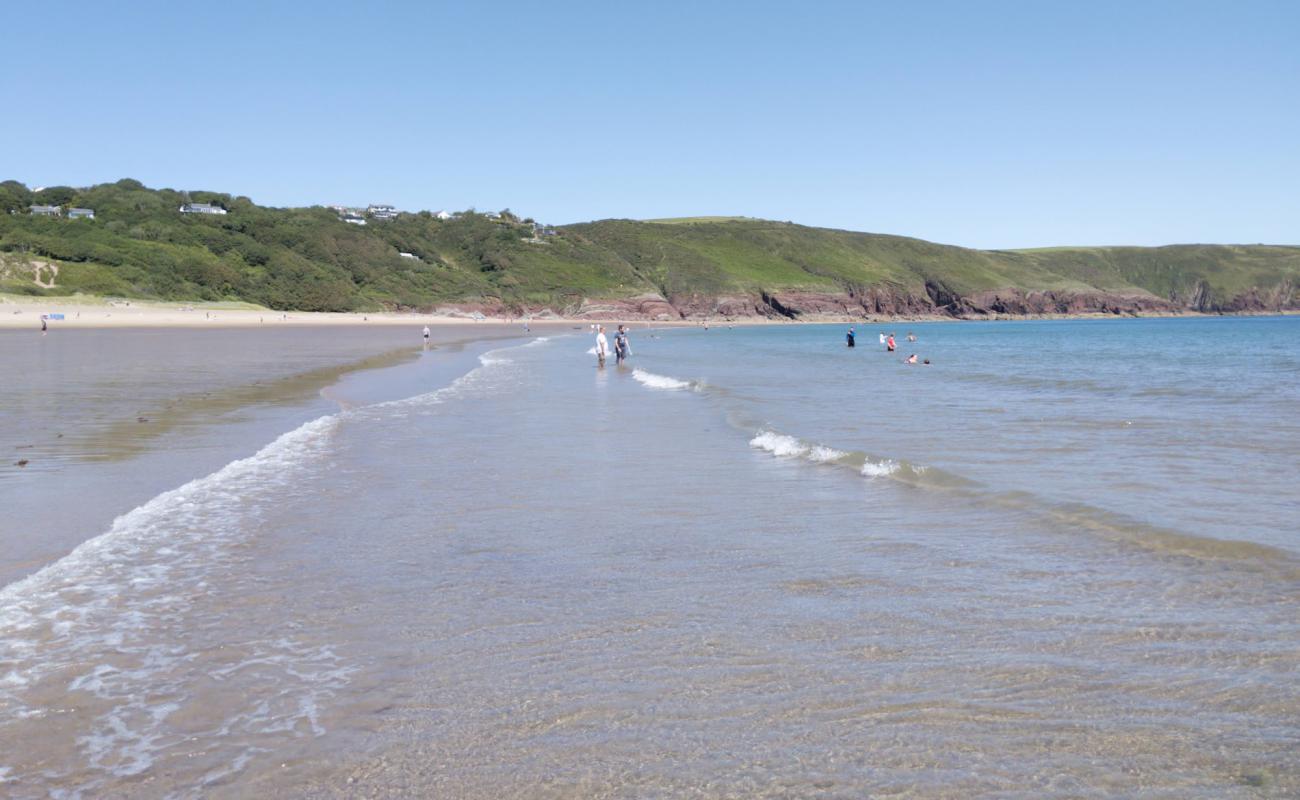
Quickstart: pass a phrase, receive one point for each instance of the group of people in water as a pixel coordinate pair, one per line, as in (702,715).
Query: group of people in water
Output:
(888,342)
(622,348)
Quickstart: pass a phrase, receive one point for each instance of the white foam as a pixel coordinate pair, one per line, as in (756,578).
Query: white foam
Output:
(537,341)
(591,351)
(822,454)
(882,469)
(781,445)
(110,617)
(490,365)
(778,444)
(659,381)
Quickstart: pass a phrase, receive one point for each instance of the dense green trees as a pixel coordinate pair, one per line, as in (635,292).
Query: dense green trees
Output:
(303,258)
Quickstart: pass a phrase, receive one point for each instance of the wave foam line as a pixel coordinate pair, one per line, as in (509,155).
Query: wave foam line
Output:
(1074,516)
(664,382)
(783,445)
(480,377)
(129,591)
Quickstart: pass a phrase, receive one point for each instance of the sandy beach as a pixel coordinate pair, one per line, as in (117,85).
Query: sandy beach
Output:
(81,311)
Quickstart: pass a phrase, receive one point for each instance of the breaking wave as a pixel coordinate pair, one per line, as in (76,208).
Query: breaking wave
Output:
(654,381)
(491,373)
(1099,522)
(778,444)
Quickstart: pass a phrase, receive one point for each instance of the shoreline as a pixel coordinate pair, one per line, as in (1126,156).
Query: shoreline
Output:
(86,312)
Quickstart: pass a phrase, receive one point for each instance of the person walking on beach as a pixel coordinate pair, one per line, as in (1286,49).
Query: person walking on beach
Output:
(889,343)
(602,346)
(849,339)
(621,347)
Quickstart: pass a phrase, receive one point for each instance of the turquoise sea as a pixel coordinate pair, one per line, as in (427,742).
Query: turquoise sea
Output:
(1061,560)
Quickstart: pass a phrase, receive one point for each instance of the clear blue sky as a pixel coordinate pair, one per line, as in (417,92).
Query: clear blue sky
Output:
(993,124)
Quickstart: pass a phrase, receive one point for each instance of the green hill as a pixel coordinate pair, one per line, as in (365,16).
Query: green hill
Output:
(140,245)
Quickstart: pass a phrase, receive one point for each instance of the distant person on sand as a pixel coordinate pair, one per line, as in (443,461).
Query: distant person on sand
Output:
(889,343)
(621,347)
(849,338)
(602,346)
(44,325)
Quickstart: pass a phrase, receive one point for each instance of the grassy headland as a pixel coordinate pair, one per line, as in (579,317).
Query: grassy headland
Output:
(139,245)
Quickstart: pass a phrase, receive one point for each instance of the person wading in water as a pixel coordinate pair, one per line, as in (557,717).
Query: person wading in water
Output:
(621,347)
(602,346)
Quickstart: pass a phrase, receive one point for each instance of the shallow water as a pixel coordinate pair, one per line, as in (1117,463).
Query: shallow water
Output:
(1061,561)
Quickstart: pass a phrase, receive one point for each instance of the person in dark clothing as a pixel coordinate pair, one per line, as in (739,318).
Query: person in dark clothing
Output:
(621,347)
(849,338)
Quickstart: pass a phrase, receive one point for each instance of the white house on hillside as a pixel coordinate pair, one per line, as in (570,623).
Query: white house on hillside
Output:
(201,208)
(46,211)
(81,213)
(442,214)
(382,212)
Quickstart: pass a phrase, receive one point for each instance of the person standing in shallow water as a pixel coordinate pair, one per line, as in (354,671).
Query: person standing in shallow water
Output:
(849,339)
(602,346)
(44,325)
(426,337)
(889,343)
(621,347)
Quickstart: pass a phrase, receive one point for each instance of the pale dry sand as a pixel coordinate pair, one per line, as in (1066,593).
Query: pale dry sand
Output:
(87,312)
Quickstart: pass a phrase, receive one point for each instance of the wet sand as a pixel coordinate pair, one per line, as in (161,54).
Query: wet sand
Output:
(113,416)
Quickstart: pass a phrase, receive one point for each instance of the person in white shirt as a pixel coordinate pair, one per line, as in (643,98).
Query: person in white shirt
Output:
(602,346)
(426,337)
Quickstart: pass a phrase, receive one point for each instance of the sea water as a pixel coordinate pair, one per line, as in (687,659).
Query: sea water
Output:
(1060,560)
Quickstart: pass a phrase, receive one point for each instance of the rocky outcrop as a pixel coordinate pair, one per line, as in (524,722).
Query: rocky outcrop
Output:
(1018,302)
(645,306)
(1280,298)
(885,301)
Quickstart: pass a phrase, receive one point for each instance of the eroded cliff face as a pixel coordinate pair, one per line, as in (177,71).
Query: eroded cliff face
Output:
(935,301)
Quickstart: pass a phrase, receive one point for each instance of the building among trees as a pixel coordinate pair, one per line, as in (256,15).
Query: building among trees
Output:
(201,208)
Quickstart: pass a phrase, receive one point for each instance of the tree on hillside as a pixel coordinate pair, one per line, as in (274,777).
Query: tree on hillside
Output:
(56,195)
(14,197)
